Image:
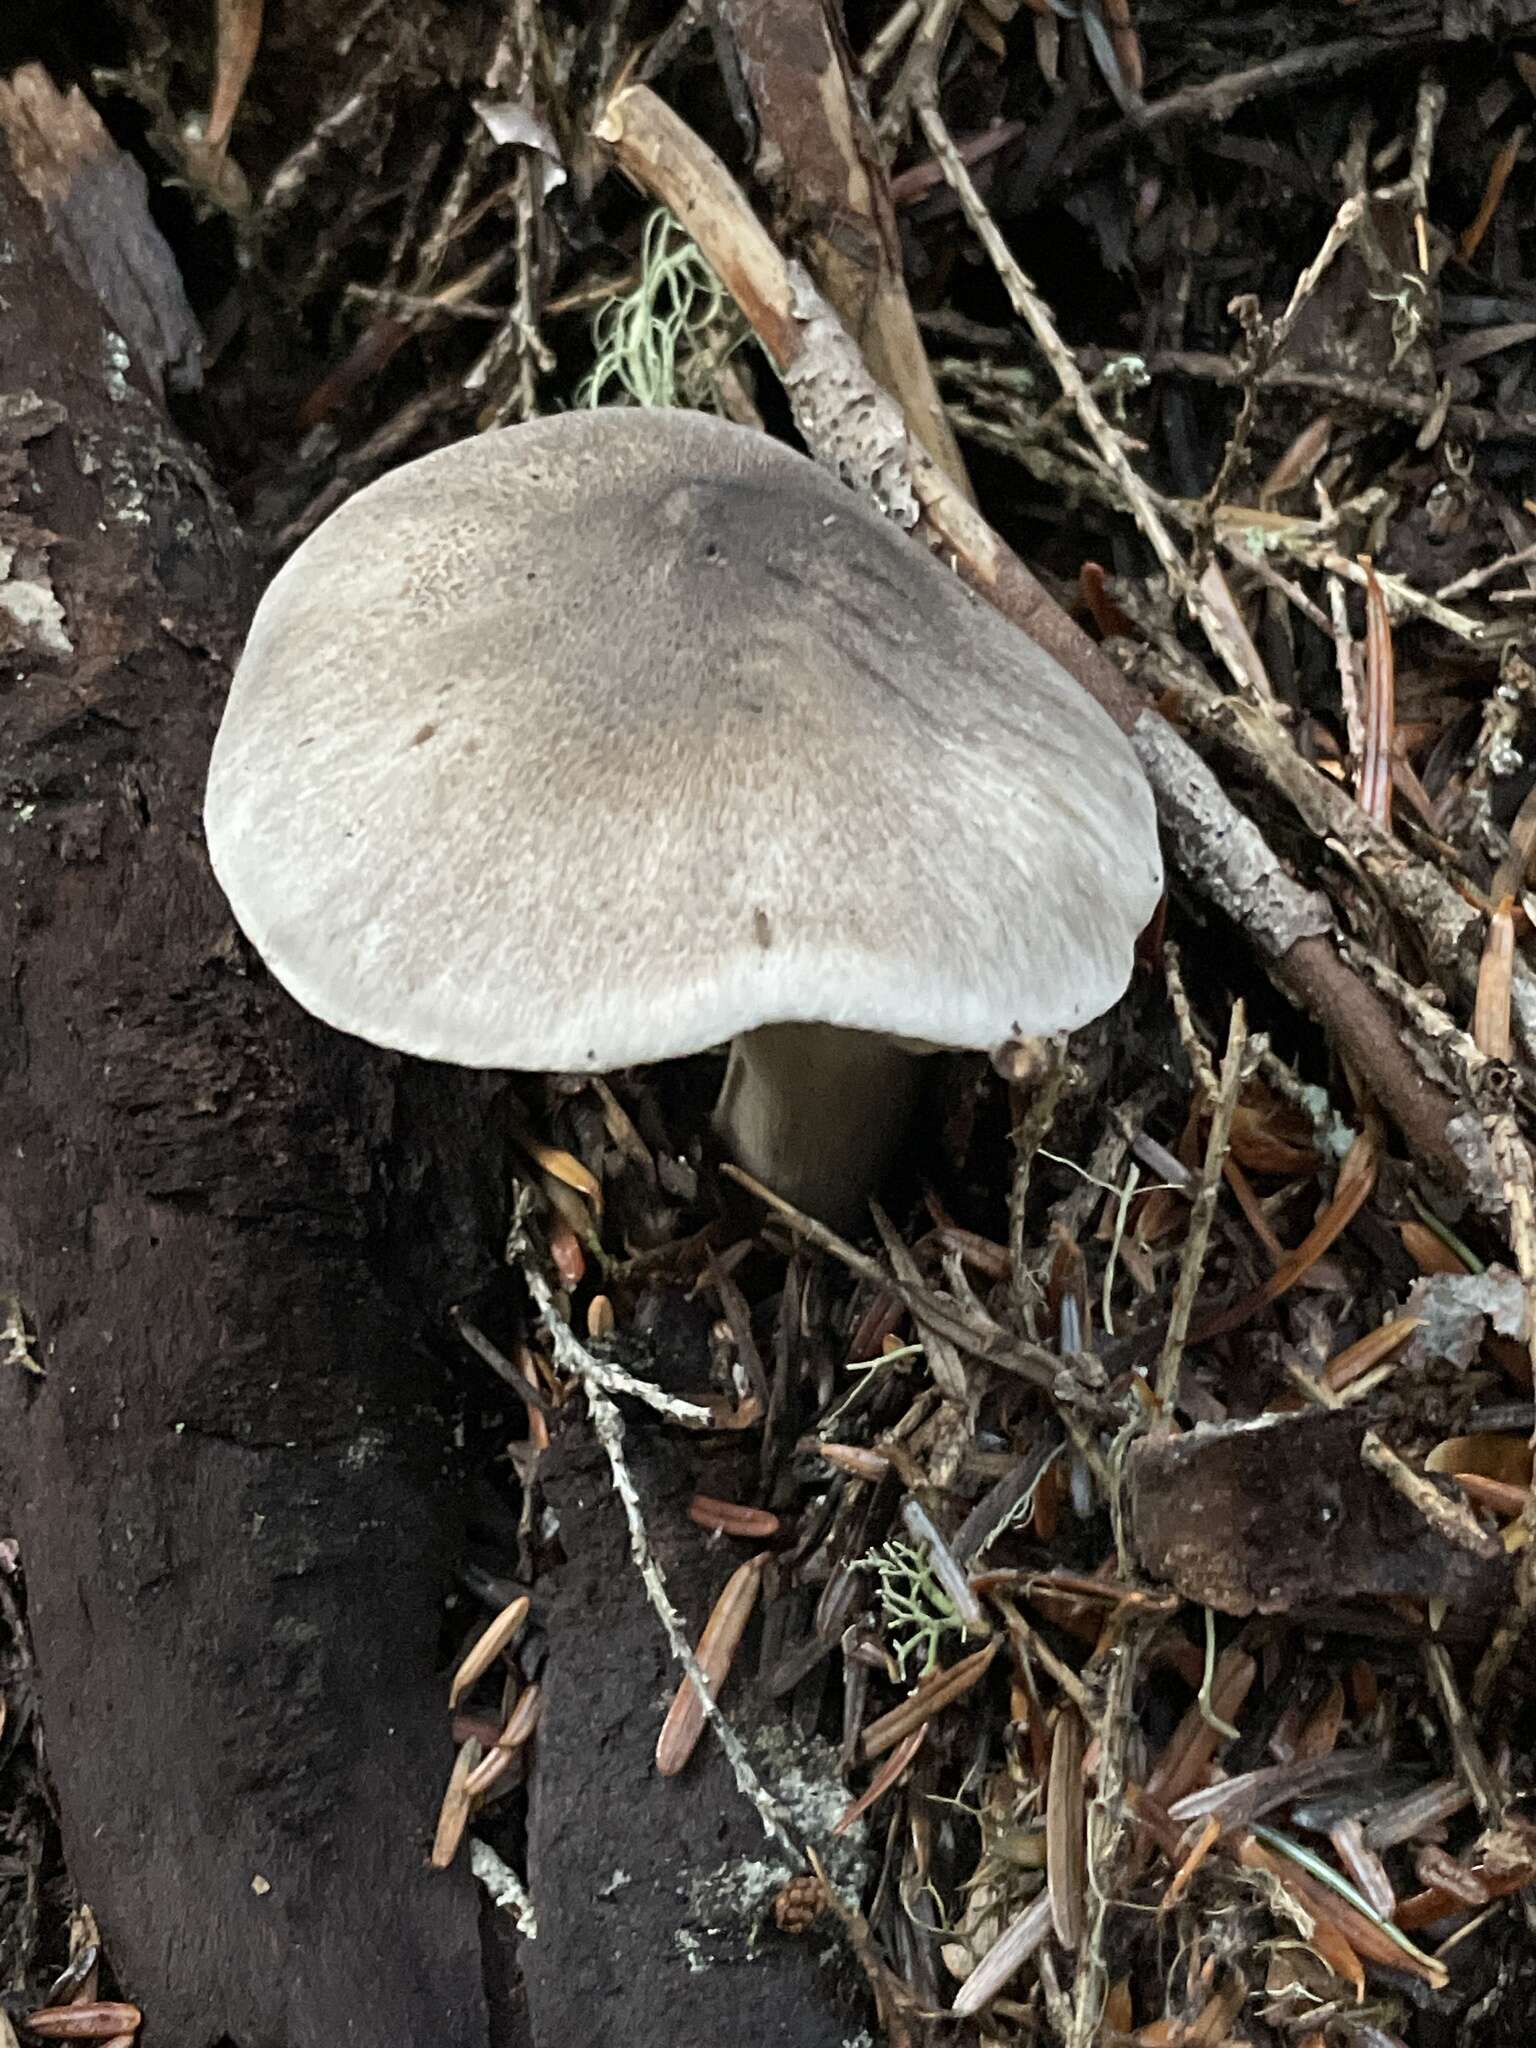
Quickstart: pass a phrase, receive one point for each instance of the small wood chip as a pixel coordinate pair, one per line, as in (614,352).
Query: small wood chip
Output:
(730,1518)
(85,2022)
(489,1647)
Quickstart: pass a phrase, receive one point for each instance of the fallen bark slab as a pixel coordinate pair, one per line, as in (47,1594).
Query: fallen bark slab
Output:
(218,1444)
(1289,1513)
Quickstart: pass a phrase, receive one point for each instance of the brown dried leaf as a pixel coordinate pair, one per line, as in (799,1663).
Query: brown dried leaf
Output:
(1212,2029)
(1270,1136)
(730,1518)
(1194,1742)
(717,1648)
(453,1814)
(1367,1352)
(1320,1731)
(856,1459)
(1183,1877)
(1498,177)
(97,2022)
(1298,461)
(1499,1456)
(489,1647)
(1492,1494)
(931,1697)
(1343,1921)
(1428,1250)
(1357,1177)
(887,1775)
(239,38)
(565,1168)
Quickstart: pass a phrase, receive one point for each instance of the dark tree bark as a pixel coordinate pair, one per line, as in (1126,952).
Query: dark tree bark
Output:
(230,1481)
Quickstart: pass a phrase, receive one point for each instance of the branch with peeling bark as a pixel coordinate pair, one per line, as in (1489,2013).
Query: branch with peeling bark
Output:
(851,424)
(816,146)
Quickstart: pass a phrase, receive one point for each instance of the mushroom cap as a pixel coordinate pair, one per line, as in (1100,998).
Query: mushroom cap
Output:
(601,739)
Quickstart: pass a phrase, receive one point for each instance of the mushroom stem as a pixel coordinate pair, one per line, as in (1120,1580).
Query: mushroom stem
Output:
(817,1113)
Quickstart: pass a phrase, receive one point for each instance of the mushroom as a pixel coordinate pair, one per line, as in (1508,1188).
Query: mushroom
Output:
(611,737)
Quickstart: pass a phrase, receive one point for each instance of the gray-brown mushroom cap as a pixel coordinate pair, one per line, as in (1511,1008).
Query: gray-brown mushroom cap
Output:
(603,739)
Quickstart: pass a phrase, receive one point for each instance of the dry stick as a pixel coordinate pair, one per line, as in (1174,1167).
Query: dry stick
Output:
(608,1427)
(848,421)
(1224,635)
(811,122)
(511,75)
(1489,1792)
(1034,1120)
(1414,890)
(1217,99)
(883,44)
(1264,344)
(573,1357)
(1477,1774)
(1235,1068)
(919,69)
(1339,386)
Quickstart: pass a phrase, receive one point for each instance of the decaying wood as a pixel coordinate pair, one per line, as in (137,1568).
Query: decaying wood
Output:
(1283,1514)
(228,1480)
(96,202)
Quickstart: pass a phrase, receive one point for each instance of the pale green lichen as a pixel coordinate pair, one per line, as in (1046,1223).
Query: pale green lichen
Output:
(919,1614)
(661,343)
